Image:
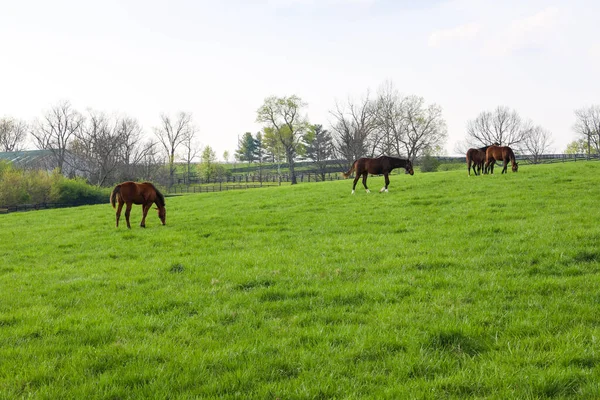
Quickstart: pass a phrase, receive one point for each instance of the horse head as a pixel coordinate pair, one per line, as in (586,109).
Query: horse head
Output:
(162,214)
(515,167)
(409,168)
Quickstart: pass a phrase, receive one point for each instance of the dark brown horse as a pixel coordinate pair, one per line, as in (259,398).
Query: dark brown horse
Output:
(377,166)
(475,160)
(500,153)
(146,194)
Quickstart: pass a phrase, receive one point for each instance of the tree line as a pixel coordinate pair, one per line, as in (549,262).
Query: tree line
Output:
(110,148)
(105,149)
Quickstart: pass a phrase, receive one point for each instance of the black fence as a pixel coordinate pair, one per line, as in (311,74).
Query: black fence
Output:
(258,180)
(218,187)
(44,206)
(554,158)
(250,181)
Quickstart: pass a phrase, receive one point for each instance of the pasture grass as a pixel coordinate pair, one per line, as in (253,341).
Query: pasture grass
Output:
(445,287)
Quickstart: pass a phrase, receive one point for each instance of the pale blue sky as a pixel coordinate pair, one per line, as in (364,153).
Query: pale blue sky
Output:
(220,59)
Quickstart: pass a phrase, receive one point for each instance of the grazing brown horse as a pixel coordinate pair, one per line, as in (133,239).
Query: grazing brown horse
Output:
(138,193)
(500,153)
(475,160)
(377,166)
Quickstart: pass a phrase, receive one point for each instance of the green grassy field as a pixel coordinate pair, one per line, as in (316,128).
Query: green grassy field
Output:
(445,287)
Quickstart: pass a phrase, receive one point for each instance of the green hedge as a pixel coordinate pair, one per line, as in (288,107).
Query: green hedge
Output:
(19,186)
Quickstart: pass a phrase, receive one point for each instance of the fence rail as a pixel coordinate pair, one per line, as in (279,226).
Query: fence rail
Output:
(218,187)
(44,206)
(252,181)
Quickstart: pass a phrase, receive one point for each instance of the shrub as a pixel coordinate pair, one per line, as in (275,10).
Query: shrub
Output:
(429,163)
(13,189)
(39,185)
(76,191)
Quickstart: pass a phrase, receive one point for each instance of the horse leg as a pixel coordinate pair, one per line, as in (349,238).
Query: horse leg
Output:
(364,180)
(387,182)
(505,166)
(356,178)
(469,167)
(119,208)
(127,213)
(145,208)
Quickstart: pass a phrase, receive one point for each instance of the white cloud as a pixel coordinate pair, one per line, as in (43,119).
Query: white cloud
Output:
(535,31)
(460,33)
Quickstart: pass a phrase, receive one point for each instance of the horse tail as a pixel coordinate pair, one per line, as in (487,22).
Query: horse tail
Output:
(113,196)
(352,168)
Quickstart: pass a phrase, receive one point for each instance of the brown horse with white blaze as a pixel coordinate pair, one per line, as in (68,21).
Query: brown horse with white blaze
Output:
(500,153)
(377,166)
(145,193)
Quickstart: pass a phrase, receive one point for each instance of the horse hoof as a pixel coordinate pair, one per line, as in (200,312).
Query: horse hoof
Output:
(352,192)
(368,191)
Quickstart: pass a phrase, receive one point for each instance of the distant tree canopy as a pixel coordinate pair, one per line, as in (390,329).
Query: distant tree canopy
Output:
(318,147)
(284,121)
(13,133)
(209,169)
(390,124)
(502,125)
(587,126)
(246,151)
(580,146)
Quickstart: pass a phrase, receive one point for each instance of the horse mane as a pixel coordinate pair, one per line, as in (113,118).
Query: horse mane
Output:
(511,154)
(400,162)
(160,198)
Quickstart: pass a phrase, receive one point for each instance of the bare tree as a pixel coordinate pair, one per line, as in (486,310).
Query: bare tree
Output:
(354,128)
(149,165)
(55,131)
(407,125)
(503,126)
(12,134)
(587,125)
(285,124)
(391,120)
(536,143)
(97,147)
(192,150)
(425,127)
(171,134)
(134,152)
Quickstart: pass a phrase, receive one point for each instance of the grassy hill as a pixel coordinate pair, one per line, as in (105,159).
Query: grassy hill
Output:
(445,287)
